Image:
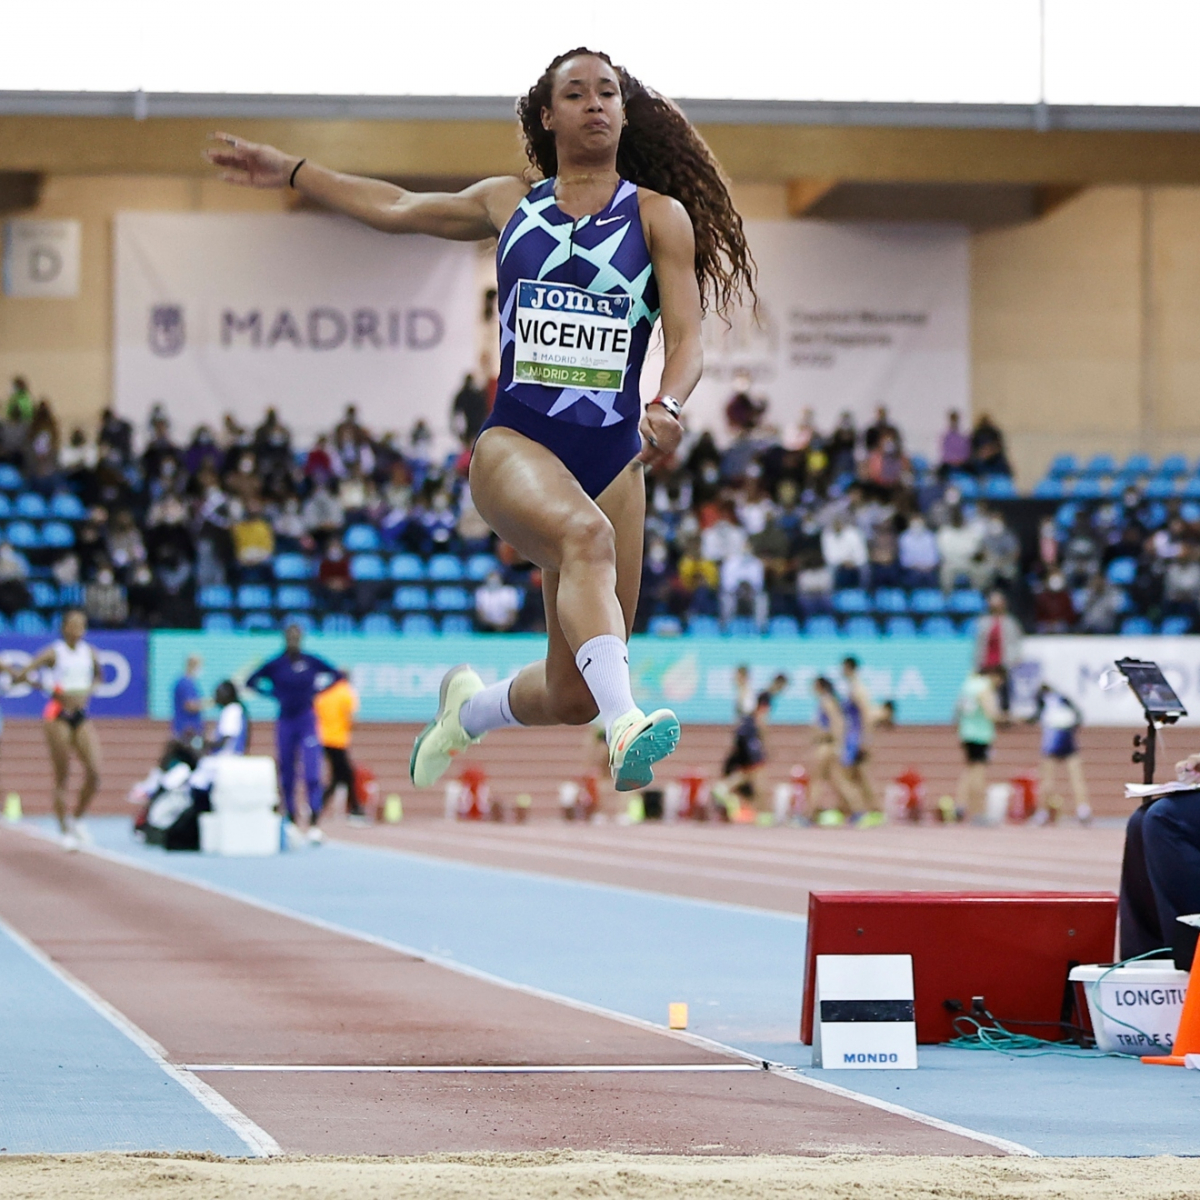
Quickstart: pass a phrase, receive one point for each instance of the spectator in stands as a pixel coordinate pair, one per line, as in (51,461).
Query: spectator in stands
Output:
(845,550)
(105,600)
(497,605)
(997,644)
(955,451)
(1101,607)
(1053,608)
(202,452)
(334,583)
(841,447)
(253,543)
(743,412)
(288,525)
(1080,553)
(123,542)
(20,401)
(883,552)
(880,430)
(272,442)
(323,516)
(814,582)
(159,448)
(988,456)
(117,434)
(885,468)
(1001,552)
(725,537)
(41,451)
(14,571)
(318,465)
(473,532)
(175,574)
(244,483)
(1181,584)
(468,412)
(917,552)
(699,578)
(658,579)
(77,456)
(743,593)
(958,547)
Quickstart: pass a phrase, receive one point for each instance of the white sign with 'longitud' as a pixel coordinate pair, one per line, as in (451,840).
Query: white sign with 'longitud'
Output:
(864,1015)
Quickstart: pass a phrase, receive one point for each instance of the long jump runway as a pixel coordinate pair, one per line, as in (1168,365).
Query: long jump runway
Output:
(367,956)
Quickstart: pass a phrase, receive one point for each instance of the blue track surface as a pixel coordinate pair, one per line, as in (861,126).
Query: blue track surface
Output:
(739,969)
(71,1081)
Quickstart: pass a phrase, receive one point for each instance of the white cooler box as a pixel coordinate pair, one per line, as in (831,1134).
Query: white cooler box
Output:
(1141,1004)
(243,821)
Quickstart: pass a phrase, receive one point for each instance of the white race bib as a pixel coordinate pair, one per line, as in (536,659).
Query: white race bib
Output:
(569,337)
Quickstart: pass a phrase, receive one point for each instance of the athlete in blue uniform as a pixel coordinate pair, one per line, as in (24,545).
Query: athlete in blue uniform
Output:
(631,221)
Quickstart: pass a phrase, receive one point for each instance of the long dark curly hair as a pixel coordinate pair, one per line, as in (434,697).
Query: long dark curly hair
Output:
(660,150)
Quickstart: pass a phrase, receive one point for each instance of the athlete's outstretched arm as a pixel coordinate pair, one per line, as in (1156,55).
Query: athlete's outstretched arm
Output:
(474,214)
(673,253)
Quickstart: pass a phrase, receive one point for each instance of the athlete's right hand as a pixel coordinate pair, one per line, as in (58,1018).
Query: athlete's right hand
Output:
(250,164)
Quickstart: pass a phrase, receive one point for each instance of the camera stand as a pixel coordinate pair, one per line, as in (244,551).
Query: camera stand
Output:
(1147,743)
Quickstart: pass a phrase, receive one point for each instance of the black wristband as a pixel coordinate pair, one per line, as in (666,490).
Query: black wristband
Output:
(292,177)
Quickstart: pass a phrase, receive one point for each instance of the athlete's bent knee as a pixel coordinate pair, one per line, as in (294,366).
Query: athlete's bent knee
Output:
(574,708)
(589,537)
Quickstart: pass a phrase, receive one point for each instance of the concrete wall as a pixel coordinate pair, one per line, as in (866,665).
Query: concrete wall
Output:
(1083,323)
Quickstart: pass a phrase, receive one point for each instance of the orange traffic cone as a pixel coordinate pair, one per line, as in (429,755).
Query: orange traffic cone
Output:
(1187,1038)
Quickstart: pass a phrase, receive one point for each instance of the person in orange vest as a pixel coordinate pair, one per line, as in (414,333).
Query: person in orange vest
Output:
(336,707)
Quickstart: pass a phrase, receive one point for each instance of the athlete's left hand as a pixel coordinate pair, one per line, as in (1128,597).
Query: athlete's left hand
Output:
(661,435)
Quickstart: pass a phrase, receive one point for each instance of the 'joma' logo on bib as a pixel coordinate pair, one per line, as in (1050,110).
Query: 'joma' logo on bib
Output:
(569,337)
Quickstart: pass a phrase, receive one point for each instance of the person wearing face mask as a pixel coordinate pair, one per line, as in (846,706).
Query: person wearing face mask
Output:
(333,578)
(1053,608)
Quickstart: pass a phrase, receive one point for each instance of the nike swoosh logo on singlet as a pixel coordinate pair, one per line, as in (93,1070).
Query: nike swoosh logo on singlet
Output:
(610,220)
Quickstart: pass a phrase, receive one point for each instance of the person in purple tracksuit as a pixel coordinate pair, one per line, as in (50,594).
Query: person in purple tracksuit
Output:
(292,680)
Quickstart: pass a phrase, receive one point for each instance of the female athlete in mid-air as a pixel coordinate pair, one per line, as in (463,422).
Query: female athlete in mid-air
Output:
(630,219)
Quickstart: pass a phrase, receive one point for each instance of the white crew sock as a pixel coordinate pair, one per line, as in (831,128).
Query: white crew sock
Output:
(488,709)
(604,664)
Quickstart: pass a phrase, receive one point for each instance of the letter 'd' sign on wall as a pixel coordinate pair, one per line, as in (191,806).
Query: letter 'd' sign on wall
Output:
(864,1018)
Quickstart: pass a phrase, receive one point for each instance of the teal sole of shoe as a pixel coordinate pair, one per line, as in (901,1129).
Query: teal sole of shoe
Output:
(650,747)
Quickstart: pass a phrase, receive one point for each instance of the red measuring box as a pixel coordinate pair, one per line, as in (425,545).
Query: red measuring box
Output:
(1012,948)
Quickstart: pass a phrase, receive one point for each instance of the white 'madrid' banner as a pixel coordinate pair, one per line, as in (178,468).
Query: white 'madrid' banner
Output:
(850,316)
(1082,668)
(306,312)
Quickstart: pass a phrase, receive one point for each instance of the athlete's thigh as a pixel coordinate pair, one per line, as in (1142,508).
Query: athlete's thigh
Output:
(86,745)
(58,741)
(526,494)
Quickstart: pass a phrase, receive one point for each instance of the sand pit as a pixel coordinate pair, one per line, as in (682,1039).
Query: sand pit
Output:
(563,1175)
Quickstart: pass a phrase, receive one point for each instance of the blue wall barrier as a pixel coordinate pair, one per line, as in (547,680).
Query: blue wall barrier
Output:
(122,655)
(397,678)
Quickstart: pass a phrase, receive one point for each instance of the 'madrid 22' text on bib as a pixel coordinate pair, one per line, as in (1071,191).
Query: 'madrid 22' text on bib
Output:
(570,337)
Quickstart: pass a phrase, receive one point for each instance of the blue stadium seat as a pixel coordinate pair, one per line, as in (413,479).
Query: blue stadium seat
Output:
(1140,464)
(406,568)
(927,600)
(451,599)
(43,594)
(919,464)
(31,505)
(256,622)
(417,625)
(378,625)
(456,623)
(966,602)
(480,565)
(783,627)
(30,623)
(302,620)
(1190,511)
(293,596)
(58,535)
(860,627)
(1063,464)
(217,622)
(67,507)
(70,595)
(851,600)
(898,627)
(1101,464)
(742,627)
(703,626)
(10,478)
(1136,627)
(1064,518)
(366,567)
(1173,464)
(410,599)
(1091,487)
(445,568)
(938,627)
(293,566)
(1191,488)
(999,487)
(1122,571)
(362,539)
(5,507)
(215,596)
(664,627)
(338,624)
(1176,626)
(891,600)
(1050,489)
(820,626)
(1161,487)
(253,596)
(23,535)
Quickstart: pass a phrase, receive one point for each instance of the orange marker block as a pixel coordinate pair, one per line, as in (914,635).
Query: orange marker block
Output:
(676,1016)
(1187,1039)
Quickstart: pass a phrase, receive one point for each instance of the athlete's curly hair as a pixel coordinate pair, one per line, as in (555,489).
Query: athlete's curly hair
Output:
(660,150)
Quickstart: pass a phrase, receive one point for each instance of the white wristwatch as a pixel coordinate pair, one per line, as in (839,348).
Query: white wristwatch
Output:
(669,403)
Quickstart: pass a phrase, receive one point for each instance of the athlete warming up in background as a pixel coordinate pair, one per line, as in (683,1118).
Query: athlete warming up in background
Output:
(70,671)
(293,680)
(631,219)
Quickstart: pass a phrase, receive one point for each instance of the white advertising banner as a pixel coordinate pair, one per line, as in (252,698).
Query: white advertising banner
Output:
(1082,668)
(306,312)
(850,316)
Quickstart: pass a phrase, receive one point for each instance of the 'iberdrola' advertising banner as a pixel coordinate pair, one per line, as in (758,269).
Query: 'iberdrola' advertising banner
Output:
(397,678)
(121,693)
